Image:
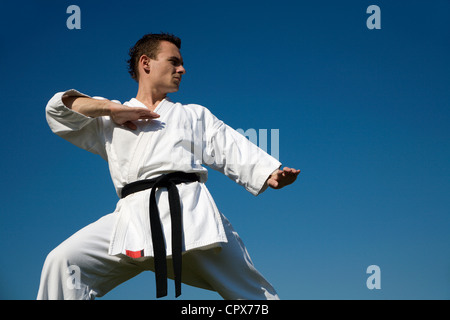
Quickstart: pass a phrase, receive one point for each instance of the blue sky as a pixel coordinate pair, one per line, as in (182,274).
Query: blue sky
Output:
(363,113)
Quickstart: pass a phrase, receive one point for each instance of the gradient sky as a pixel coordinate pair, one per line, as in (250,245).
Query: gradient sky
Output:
(363,113)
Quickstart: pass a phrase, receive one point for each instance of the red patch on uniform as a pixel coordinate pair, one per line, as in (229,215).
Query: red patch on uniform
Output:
(135,254)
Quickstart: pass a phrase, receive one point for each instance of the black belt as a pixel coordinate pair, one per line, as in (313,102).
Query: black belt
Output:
(168,181)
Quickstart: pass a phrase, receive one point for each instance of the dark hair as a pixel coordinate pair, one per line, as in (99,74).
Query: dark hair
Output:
(148,45)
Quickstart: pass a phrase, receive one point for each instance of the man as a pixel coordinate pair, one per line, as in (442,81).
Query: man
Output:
(155,150)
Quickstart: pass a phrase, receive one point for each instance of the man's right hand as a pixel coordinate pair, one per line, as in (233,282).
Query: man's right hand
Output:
(120,114)
(124,115)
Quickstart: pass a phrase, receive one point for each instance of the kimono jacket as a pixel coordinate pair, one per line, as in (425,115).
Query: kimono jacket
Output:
(184,138)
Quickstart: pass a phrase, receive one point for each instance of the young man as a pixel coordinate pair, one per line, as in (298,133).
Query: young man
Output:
(155,150)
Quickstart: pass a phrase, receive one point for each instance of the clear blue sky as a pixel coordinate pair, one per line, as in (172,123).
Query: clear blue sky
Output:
(365,114)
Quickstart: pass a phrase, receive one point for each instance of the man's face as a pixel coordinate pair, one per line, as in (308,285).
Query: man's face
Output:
(165,72)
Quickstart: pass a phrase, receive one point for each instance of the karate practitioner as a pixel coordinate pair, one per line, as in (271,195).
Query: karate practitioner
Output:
(166,220)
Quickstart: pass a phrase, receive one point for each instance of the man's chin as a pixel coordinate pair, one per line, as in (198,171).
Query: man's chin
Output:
(174,89)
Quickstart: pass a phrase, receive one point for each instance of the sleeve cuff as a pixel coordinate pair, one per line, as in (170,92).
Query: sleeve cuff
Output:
(264,178)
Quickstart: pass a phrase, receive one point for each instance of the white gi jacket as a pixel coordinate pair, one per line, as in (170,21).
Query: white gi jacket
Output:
(184,138)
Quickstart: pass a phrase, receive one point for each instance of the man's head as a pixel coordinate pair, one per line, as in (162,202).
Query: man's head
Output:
(156,59)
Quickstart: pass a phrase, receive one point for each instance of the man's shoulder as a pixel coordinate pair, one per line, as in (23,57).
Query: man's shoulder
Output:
(192,106)
(188,105)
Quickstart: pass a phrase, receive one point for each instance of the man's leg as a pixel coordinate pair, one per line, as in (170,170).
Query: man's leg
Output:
(229,271)
(81,268)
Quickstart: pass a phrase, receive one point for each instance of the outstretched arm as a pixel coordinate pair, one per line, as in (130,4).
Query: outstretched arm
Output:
(282,178)
(120,114)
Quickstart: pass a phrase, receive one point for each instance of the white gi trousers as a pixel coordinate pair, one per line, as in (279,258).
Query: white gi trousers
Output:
(228,271)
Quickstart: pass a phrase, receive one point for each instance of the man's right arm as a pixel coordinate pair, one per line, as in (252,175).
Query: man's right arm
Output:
(120,114)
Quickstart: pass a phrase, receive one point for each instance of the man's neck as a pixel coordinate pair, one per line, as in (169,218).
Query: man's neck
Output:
(150,97)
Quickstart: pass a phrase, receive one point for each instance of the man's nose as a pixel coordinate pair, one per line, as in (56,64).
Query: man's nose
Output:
(181,70)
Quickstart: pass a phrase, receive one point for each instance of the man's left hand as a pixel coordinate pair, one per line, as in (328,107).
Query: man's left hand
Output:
(282,178)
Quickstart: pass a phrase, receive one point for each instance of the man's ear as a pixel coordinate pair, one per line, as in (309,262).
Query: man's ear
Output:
(144,63)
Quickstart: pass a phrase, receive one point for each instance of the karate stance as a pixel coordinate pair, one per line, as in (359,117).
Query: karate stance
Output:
(166,220)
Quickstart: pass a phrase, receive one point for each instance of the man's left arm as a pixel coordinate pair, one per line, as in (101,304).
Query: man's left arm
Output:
(242,161)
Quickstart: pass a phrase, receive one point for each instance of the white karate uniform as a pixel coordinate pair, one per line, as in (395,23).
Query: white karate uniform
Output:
(183,138)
